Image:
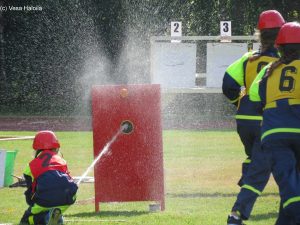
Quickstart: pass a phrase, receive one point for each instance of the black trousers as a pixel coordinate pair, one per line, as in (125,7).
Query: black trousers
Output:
(38,219)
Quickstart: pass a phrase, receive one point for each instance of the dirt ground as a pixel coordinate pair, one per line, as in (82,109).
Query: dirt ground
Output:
(45,123)
(85,124)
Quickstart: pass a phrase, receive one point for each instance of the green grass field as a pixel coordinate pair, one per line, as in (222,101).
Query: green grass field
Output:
(201,169)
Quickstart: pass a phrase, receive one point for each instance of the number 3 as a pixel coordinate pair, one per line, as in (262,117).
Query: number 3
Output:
(226,28)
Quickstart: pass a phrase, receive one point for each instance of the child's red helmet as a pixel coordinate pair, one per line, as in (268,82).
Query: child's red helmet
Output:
(270,19)
(289,33)
(45,140)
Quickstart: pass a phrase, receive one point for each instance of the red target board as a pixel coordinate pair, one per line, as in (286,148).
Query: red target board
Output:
(132,168)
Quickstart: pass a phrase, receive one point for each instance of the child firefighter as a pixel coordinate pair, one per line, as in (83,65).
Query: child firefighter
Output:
(50,188)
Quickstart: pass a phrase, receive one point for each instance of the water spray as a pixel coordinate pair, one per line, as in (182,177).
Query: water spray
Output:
(126,128)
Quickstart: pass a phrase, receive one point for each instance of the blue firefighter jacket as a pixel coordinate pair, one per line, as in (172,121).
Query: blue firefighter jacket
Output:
(237,81)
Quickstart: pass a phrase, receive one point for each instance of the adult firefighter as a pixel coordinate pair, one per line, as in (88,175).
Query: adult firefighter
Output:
(277,87)
(236,83)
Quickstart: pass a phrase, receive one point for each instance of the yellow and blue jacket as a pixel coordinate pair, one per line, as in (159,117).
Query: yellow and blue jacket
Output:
(237,81)
(279,95)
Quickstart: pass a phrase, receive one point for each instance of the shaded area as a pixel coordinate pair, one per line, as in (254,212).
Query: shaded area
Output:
(109,214)
(259,217)
(212,195)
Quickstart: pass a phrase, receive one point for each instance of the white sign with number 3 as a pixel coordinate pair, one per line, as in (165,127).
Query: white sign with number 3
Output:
(225,28)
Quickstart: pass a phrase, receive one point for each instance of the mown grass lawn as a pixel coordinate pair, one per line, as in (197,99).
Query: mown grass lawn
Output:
(201,169)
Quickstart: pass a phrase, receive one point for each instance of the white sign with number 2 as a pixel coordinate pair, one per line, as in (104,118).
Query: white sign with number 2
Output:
(176,29)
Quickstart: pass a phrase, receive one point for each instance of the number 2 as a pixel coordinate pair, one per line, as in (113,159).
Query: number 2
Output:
(46,161)
(176,27)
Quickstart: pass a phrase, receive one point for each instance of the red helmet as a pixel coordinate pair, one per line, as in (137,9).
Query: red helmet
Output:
(289,33)
(270,19)
(45,140)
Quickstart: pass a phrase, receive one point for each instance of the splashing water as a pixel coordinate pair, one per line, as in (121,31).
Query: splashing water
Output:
(103,152)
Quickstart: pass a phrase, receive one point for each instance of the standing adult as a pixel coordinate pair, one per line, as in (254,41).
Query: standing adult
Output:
(277,87)
(236,84)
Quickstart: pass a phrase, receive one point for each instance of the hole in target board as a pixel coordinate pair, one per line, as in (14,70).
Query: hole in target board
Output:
(127,127)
